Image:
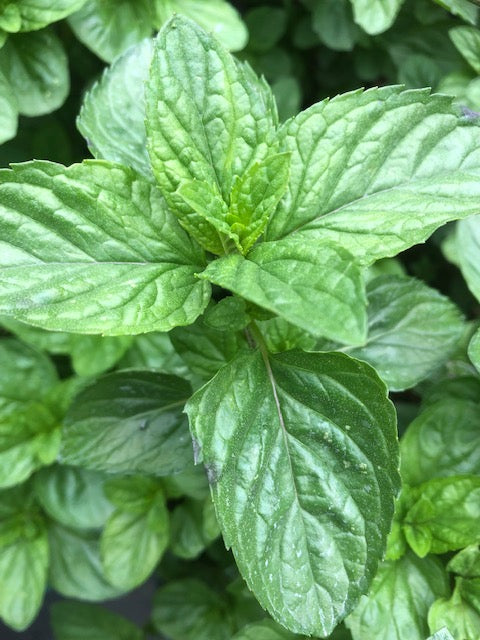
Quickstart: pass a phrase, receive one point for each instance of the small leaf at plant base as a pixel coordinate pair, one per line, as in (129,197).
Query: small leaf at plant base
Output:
(386,168)
(36,66)
(128,537)
(316,287)
(112,118)
(319,431)
(474,350)
(109,27)
(402,353)
(375,16)
(129,422)
(75,566)
(229,314)
(73,496)
(460,613)
(208,119)
(98,253)
(443,440)
(80,621)
(23,557)
(189,610)
(397,604)
(447,512)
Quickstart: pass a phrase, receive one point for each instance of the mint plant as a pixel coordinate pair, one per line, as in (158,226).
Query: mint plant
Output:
(251,243)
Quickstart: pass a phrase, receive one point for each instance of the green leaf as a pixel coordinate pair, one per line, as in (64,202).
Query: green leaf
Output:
(131,535)
(375,16)
(398,307)
(10,18)
(444,440)
(112,118)
(192,482)
(73,496)
(229,314)
(215,16)
(264,630)
(98,253)
(377,171)
(468,238)
(266,26)
(474,350)
(460,613)
(51,341)
(208,119)
(317,286)
(79,621)
(110,27)
(189,610)
(154,351)
(466,563)
(23,558)
(462,8)
(467,41)
(300,447)
(332,20)
(442,634)
(92,355)
(280,336)
(75,565)
(446,512)
(397,604)
(36,67)
(8,110)
(26,375)
(205,350)
(38,13)
(129,422)
(194,527)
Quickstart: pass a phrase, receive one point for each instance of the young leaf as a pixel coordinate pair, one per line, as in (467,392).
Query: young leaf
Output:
(300,447)
(8,110)
(112,118)
(80,621)
(317,287)
(402,353)
(397,604)
(445,516)
(190,610)
(37,69)
(384,169)
(73,496)
(375,16)
(39,13)
(75,566)
(154,351)
(208,119)
(109,27)
(23,558)
(194,527)
(444,440)
(466,563)
(93,355)
(474,350)
(129,536)
(129,422)
(280,336)
(460,613)
(467,41)
(229,314)
(93,249)
(468,238)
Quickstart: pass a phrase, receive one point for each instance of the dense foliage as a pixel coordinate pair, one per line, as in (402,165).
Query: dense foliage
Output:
(238,267)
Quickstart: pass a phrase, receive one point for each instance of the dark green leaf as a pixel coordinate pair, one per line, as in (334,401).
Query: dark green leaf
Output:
(8,110)
(79,621)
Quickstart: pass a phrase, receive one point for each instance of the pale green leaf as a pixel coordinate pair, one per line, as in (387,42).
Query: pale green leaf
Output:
(129,422)
(112,118)
(109,27)
(280,336)
(463,8)
(26,375)
(229,314)
(265,630)
(36,14)
(466,562)
(397,604)
(8,110)
(317,286)
(73,496)
(377,171)
(36,67)
(154,351)
(75,565)
(300,448)
(190,610)
(80,621)
(92,355)
(129,537)
(333,21)
(10,17)
(467,41)
(444,440)
(208,118)
(193,528)
(468,238)
(375,16)
(132,494)
(98,253)
(412,330)
(53,342)
(442,634)
(460,613)
(447,511)
(474,349)
(216,16)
